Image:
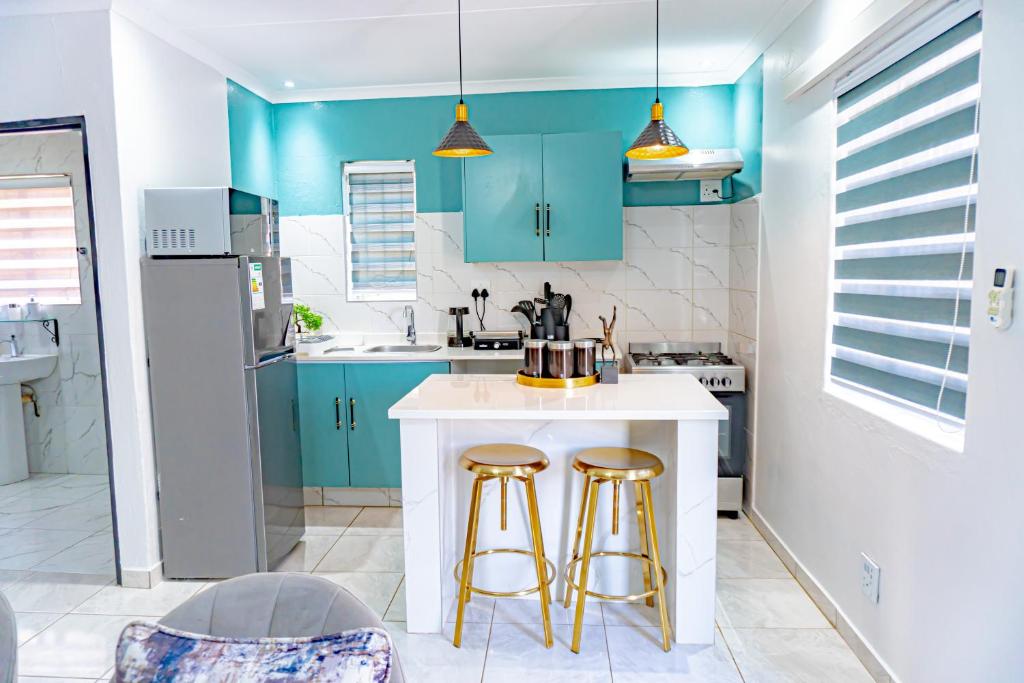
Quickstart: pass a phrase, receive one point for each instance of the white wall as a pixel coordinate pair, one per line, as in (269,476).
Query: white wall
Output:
(172,129)
(154,116)
(834,480)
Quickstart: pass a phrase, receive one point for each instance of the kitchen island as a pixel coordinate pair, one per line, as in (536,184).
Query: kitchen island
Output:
(672,416)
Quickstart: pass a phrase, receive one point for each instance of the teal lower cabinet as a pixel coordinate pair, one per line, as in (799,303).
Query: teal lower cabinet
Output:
(323,424)
(347,438)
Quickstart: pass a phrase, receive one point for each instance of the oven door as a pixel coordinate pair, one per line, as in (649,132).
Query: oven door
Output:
(732,435)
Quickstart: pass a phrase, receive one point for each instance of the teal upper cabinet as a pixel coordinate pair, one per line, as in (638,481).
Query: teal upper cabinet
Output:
(554,197)
(583,196)
(374,445)
(503,200)
(323,424)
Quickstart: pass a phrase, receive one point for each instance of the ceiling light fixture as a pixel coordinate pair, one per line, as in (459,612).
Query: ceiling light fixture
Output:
(657,140)
(289,84)
(462,140)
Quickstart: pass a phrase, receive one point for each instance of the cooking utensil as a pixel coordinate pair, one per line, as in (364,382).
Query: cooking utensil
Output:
(547,290)
(557,300)
(568,306)
(530,310)
(525,313)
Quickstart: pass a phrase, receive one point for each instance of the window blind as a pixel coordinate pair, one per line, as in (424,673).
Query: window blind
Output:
(38,246)
(905,192)
(380,213)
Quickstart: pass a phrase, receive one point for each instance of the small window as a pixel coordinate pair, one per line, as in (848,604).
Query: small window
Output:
(38,247)
(380,230)
(905,193)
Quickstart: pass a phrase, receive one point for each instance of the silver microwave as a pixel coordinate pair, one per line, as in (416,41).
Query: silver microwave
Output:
(210,221)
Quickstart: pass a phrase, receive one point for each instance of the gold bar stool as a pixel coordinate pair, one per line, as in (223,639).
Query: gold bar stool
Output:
(504,461)
(616,465)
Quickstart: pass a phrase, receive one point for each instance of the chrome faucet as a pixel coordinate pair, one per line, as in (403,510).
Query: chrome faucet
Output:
(410,324)
(14,346)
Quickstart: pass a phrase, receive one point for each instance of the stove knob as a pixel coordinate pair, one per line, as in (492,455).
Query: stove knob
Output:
(714,382)
(726,382)
(704,381)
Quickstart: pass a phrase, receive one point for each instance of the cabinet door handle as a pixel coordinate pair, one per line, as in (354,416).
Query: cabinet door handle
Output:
(547,222)
(536,218)
(352,412)
(337,412)
(295,414)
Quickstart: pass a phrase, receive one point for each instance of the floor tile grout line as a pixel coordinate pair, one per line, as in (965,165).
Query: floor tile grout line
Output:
(607,644)
(320,561)
(487,646)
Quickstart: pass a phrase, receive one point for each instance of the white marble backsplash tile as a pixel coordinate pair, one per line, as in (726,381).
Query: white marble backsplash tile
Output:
(671,253)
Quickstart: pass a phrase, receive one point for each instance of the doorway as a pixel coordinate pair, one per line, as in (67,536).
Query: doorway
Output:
(56,498)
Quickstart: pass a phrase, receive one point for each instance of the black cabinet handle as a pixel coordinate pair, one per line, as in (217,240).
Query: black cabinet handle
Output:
(337,412)
(295,414)
(352,412)
(547,222)
(536,218)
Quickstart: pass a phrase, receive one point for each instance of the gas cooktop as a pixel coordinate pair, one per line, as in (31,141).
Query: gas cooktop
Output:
(705,360)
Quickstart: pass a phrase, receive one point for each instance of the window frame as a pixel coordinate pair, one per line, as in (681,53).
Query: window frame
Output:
(47,181)
(944,429)
(403,295)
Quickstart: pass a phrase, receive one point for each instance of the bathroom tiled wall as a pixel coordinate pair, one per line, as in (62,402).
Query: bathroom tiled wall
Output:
(673,283)
(69,436)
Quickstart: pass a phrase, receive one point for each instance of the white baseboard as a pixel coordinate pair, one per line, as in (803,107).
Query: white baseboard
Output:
(847,631)
(142,578)
(326,495)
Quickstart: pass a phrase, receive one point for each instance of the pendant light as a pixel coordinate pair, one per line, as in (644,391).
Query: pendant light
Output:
(462,140)
(657,140)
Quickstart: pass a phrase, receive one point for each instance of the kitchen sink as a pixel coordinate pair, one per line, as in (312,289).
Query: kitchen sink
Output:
(404,348)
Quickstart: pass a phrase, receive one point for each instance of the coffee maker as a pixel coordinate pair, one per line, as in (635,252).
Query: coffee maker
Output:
(457,337)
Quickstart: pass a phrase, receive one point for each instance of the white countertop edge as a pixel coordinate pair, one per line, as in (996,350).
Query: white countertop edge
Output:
(561,416)
(703,405)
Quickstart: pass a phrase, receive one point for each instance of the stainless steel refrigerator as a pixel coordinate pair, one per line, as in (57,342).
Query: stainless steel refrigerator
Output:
(225,414)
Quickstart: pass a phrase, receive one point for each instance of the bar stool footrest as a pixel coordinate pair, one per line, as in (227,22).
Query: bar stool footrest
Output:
(550,573)
(620,598)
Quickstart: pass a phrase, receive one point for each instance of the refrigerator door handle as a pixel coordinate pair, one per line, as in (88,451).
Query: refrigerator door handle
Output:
(270,361)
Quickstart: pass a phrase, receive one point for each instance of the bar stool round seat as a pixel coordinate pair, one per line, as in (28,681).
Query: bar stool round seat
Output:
(504,460)
(615,465)
(618,464)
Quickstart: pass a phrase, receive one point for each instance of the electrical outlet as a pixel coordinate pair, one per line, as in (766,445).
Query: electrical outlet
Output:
(480,285)
(869,578)
(711,190)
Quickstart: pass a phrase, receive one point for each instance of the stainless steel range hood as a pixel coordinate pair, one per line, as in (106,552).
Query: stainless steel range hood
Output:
(699,164)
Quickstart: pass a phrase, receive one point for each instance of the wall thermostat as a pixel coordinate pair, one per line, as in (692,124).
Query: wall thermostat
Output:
(1000,299)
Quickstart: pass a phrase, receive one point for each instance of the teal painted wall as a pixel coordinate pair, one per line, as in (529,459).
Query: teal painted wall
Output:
(748,114)
(294,151)
(251,134)
(315,138)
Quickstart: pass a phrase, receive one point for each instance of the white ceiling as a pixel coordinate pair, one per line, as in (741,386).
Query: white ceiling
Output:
(376,48)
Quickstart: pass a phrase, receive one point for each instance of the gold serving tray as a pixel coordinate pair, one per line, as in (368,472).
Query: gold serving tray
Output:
(554,382)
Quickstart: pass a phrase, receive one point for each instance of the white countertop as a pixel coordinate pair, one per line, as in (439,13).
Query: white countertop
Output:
(498,397)
(355,350)
(444,354)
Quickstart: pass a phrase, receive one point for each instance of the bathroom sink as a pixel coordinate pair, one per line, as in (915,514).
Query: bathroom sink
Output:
(404,348)
(26,367)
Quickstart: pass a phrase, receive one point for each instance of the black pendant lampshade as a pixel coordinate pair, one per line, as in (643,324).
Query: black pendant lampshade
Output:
(657,140)
(462,140)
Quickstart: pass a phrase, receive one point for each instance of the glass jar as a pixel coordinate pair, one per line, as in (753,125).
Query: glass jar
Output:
(586,357)
(533,357)
(560,359)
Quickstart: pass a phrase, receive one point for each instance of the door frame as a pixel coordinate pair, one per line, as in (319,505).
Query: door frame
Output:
(77,123)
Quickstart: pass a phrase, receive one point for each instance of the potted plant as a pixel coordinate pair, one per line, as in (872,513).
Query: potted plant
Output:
(307,322)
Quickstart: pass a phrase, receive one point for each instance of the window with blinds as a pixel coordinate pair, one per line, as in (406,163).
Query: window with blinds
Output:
(38,247)
(380,226)
(905,189)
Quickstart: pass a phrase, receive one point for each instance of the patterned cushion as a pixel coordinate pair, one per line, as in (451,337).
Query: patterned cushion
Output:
(148,652)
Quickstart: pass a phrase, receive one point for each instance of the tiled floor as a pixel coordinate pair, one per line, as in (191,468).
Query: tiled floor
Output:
(769,630)
(57,523)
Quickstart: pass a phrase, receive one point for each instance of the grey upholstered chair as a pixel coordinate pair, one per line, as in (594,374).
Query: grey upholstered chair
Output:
(275,605)
(8,642)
